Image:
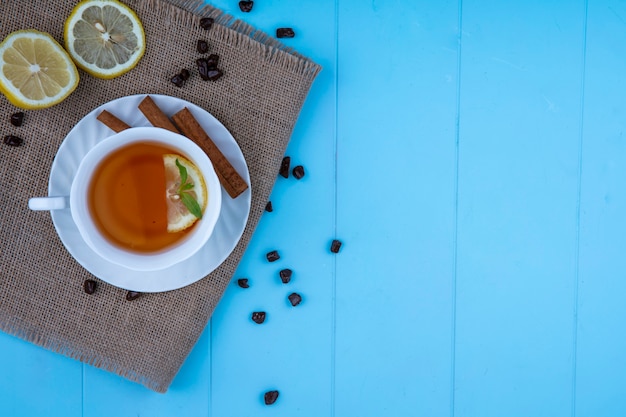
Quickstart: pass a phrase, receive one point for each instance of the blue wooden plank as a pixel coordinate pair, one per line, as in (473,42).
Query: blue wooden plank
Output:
(601,354)
(292,350)
(36,382)
(519,136)
(386,347)
(106,394)
(395,207)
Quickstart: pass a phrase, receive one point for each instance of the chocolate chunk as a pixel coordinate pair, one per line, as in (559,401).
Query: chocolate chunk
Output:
(206,23)
(270,397)
(295,299)
(268,207)
(246,6)
(185,74)
(13,140)
(202,46)
(285,275)
(132,295)
(258,317)
(17,119)
(335,246)
(298,172)
(285,33)
(203,68)
(207,68)
(212,61)
(90,286)
(178,80)
(284,167)
(243,283)
(214,74)
(273,256)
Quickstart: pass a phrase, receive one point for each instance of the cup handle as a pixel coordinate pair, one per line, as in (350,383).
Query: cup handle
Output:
(48,203)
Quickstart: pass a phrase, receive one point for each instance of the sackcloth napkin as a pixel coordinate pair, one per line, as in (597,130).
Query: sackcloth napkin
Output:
(41,295)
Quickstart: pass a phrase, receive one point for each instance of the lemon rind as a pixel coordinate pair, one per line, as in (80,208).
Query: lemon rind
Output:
(195,174)
(14,95)
(92,69)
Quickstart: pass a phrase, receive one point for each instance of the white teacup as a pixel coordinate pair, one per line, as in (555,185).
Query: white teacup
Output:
(77,201)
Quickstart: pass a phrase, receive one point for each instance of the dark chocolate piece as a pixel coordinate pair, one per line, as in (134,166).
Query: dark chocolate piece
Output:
(273,256)
(212,61)
(13,140)
(295,299)
(206,23)
(285,33)
(284,167)
(203,68)
(214,74)
(258,317)
(285,275)
(17,118)
(132,295)
(178,80)
(335,246)
(90,286)
(246,5)
(202,46)
(243,283)
(298,172)
(270,397)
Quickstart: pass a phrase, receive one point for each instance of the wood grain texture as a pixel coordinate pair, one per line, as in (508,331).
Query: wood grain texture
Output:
(470,156)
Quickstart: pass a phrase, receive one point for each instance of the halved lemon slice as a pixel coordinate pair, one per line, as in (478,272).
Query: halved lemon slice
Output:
(36,72)
(104,37)
(183,180)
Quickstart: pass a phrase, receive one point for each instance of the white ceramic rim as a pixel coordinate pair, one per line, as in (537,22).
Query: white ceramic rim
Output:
(140,261)
(228,230)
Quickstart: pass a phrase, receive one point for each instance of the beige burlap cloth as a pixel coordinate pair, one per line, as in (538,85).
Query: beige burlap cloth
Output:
(41,295)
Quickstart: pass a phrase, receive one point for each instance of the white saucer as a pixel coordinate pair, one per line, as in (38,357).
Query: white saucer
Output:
(227,232)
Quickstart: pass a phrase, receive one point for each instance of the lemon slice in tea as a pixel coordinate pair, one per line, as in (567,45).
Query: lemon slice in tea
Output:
(183,181)
(36,72)
(104,37)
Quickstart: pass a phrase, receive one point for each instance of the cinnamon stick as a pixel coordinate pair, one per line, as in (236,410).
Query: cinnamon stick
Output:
(112,122)
(228,176)
(155,115)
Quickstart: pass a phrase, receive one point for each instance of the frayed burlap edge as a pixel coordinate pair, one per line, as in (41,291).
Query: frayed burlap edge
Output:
(235,32)
(23,331)
(228,30)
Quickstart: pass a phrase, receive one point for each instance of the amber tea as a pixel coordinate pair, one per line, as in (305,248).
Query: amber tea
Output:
(127,198)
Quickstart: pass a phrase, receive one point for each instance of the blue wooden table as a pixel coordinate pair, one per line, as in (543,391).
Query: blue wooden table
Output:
(470,155)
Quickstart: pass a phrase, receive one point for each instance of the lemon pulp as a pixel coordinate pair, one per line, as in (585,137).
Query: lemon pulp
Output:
(178,216)
(104,37)
(36,71)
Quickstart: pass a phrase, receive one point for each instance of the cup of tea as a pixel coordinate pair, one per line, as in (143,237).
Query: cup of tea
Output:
(145,198)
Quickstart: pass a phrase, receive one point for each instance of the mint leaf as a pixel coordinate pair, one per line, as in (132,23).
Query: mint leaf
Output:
(191,204)
(186,198)
(185,187)
(183,172)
